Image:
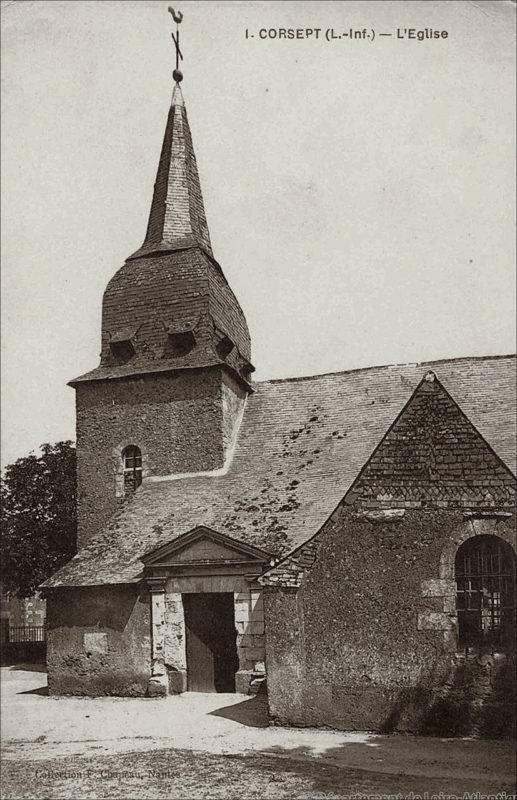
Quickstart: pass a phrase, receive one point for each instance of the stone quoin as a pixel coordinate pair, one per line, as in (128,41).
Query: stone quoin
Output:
(345,542)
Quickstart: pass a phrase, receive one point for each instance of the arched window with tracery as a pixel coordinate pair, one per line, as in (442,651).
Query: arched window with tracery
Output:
(132,466)
(486,597)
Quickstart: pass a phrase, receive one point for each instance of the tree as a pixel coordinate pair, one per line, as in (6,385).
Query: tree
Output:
(39,522)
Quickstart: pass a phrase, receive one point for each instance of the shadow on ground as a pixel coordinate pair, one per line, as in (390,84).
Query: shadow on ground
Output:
(252,713)
(175,774)
(41,690)
(333,774)
(26,667)
(392,765)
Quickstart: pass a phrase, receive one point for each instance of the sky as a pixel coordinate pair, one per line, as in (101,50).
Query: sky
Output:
(359,192)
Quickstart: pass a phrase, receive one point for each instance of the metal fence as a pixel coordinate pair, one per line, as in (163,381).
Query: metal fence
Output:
(26,633)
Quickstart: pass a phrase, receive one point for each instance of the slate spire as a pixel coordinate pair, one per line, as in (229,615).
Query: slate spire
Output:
(177,218)
(170,307)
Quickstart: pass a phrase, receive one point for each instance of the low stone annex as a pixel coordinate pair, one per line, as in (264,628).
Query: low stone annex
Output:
(345,542)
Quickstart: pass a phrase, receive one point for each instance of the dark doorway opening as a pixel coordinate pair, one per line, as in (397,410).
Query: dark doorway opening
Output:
(211,642)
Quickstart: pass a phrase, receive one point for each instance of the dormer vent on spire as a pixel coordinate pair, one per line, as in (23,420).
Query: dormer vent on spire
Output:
(181,339)
(122,345)
(224,347)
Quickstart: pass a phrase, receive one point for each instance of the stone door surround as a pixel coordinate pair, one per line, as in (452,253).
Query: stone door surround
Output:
(203,560)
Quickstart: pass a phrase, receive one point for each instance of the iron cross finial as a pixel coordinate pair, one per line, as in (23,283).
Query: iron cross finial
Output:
(177,17)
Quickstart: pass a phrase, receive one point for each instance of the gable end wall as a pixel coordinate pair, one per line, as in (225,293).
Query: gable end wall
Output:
(372,597)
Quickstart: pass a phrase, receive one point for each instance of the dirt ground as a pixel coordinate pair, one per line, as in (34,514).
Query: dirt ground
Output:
(212,746)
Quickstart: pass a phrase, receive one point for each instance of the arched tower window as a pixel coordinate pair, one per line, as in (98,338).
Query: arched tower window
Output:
(485,600)
(132,465)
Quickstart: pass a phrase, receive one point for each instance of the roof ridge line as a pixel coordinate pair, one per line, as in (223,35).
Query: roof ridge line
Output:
(384,366)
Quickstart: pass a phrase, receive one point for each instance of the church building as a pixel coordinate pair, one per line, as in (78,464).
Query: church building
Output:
(345,543)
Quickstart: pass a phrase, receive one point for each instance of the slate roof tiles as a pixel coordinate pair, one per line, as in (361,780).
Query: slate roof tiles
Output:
(301,444)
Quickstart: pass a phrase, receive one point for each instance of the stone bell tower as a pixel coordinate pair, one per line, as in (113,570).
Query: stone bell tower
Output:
(175,368)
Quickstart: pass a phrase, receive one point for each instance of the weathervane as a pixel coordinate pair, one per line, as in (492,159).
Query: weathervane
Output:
(177,17)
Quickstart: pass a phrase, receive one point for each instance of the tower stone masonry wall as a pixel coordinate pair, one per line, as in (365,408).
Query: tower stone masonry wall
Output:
(182,422)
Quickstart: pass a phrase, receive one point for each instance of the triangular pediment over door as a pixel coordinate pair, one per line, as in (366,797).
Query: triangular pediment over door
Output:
(204,547)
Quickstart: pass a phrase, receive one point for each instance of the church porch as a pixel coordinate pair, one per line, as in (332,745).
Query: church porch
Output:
(207,619)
